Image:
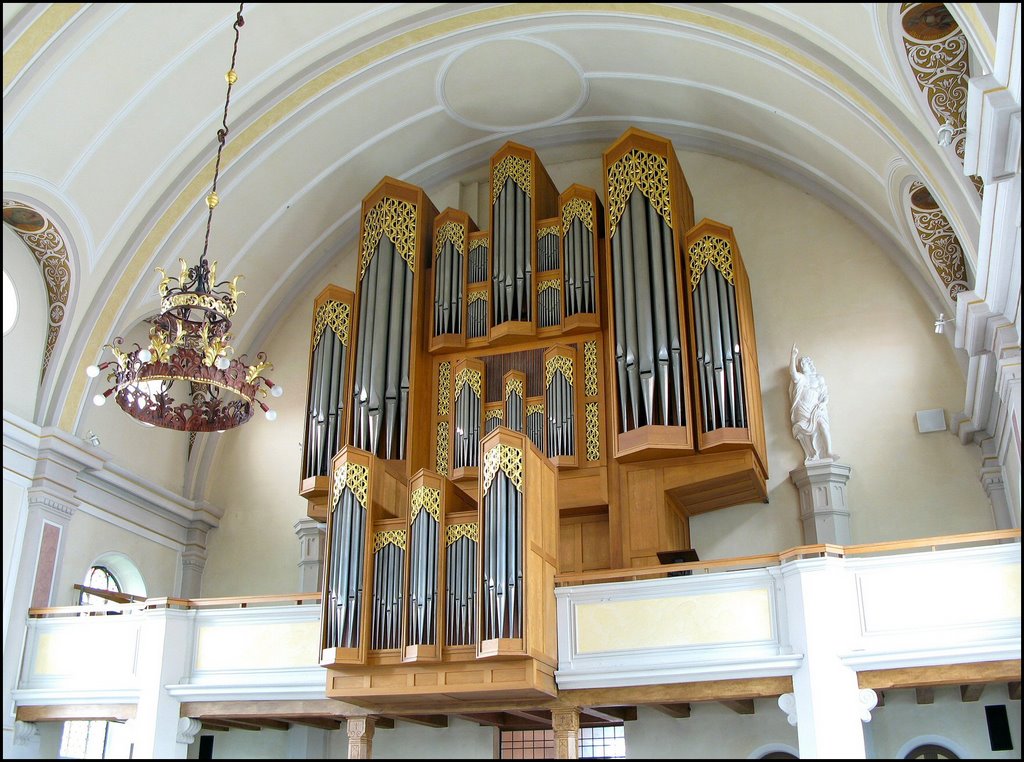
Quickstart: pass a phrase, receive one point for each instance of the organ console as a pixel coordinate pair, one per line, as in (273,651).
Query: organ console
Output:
(560,392)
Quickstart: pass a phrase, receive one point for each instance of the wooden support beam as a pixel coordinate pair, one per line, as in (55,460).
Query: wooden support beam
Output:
(321,723)
(611,713)
(742,706)
(971,692)
(520,719)
(486,719)
(945,674)
(249,724)
(679,711)
(427,720)
(1013,689)
(268,723)
(925,695)
(383,723)
(211,725)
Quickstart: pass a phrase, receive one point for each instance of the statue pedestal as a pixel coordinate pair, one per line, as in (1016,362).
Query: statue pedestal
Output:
(824,510)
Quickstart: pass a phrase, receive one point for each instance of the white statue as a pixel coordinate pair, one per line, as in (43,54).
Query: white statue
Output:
(808,394)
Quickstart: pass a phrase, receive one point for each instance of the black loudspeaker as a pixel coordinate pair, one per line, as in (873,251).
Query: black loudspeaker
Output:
(206,746)
(998,728)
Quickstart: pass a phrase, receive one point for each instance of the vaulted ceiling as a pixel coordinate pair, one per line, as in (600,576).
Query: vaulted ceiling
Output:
(110,113)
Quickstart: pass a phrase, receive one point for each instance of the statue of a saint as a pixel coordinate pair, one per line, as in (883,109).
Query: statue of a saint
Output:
(808,394)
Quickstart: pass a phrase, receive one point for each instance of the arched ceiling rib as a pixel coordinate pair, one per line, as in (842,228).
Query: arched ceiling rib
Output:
(332,97)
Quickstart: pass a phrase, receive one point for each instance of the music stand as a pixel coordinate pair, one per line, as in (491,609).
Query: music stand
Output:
(678,557)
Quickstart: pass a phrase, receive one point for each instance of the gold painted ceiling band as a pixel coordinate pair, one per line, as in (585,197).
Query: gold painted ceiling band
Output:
(197,188)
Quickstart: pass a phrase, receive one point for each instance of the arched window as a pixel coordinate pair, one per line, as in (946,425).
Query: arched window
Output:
(98,578)
(930,751)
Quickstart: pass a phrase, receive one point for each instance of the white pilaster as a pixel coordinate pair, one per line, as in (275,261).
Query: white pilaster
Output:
(163,660)
(311,553)
(826,705)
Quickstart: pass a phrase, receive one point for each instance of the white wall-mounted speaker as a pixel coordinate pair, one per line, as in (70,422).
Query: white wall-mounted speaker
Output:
(931,420)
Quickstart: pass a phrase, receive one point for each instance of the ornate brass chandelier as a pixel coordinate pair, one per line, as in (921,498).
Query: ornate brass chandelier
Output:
(189,342)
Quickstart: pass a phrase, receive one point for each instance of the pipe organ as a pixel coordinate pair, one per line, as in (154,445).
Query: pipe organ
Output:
(560,392)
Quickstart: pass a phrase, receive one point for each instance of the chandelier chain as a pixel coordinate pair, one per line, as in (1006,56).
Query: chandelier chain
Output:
(222,133)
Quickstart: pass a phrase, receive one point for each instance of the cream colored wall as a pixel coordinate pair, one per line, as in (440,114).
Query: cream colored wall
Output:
(255,550)
(816,280)
(460,740)
(24,345)
(89,537)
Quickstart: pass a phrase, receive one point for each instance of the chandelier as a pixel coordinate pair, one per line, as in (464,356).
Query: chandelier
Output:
(187,378)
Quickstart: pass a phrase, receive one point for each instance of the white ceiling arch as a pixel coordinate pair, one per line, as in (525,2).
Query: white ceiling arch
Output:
(333,97)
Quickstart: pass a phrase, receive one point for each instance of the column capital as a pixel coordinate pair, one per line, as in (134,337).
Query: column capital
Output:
(188,729)
(61,509)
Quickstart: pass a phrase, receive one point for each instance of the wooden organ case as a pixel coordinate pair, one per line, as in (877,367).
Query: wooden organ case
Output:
(559,393)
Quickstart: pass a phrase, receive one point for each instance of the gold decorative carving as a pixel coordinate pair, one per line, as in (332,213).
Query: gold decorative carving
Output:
(425,498)
(477,243)
(590,368)
(514,385)
(444,380)
(560,363)
(552,230)
(203,301)
(477,296)
(710,249)
(392,218)
(519,169)
(387,537)
(939,240)
(468,376)
(47,245)
(442,443)
(638,169)
(455,532)
(450,232)
(494,412)
(593,432)
(544,285)
(333,314)
(535,407)
(578,208)
(503,458)
(353,476)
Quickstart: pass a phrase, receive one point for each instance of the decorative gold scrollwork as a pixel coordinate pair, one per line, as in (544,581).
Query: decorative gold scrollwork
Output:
(468,376)
(535,407)
(455,532)
(442,443)
(503,458)
(519,169)
(544,285)
(453,233)
(477,296)
(552,230)
(395,219)
(710,249)
(425,498)
(560,363)
(578,208)
(387,537)
(939,240)
(353,476)
(334,314)
(494,412)
(638,169)
(444,380)
(514,385)
(590,368)
(593,432)
(478,243)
